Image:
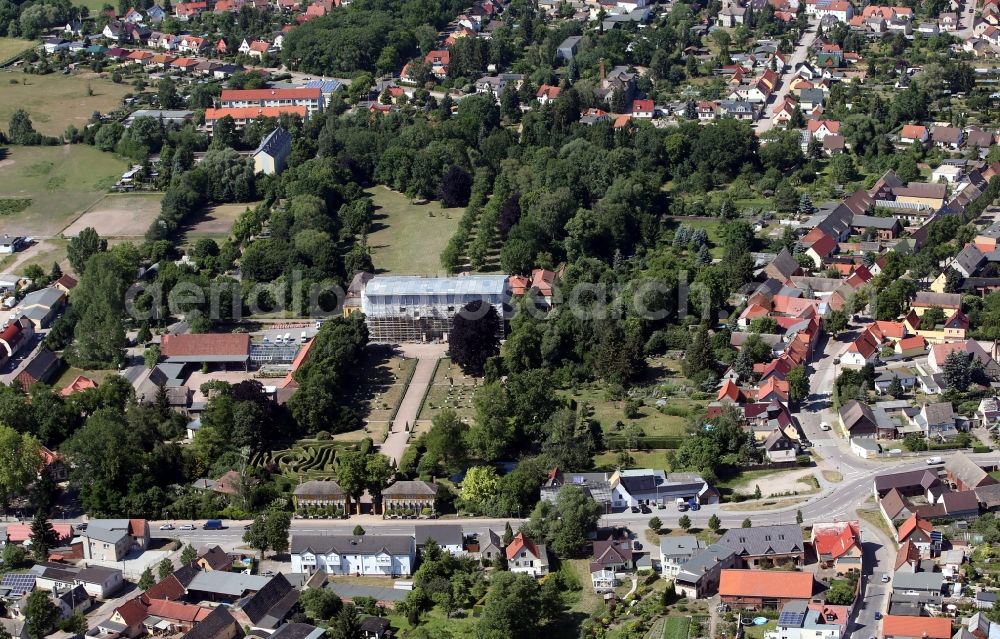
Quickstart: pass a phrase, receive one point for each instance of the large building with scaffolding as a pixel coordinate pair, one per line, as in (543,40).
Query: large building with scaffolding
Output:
(420,309)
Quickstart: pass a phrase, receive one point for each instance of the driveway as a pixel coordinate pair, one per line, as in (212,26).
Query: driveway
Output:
(427,356)
(764,124)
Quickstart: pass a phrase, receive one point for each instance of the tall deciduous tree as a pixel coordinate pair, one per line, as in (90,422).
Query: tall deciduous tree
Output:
(19,464)
(475,336)
(81,247)
(40,614)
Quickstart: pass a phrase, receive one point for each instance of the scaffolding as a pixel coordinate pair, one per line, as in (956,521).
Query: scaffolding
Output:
(421,309)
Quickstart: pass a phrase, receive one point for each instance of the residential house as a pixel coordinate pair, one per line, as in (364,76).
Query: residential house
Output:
(40,307)
(699,577)
(911,346)
(379,555)
(918,531)
(838,545)
(775,544)
(912,483)
(857,419)
(526,556)
(914,134)
(245,115)
(947,137)
(635,487)
(547,93)
(779,447)
(936,420)
(863,350)
(97,581)
(675,552)
(113,539)
(449,537)
(643,109)
(568,48)
(214,558)
(438,60)
(41,367)
(272,153)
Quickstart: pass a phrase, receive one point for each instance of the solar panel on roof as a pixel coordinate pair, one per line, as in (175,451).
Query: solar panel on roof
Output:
(791,619)
(18,583)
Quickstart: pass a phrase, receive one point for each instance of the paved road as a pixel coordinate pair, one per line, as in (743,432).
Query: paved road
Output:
(966,18)
(764,124)
(880,555)
(406,417)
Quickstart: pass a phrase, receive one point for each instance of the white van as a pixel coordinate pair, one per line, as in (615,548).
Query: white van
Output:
(303,339)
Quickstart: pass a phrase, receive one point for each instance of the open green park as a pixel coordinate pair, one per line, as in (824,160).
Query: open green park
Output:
(407,238)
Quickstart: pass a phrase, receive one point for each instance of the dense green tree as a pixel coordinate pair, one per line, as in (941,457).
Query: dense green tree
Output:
(566,524)
(40,615)
(474,336)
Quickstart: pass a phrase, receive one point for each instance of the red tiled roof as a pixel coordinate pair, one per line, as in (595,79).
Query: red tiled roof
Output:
(169,588)
(252,112)
(77,385)
(927,627)
(769,584)
(837,539)
(833,126)
(521,542)
(176,610)
(911,524)
(66,281)
(194,344)
(908,343)
(132,612)
(729,391)
(913,131)
(907,552)
(824,246)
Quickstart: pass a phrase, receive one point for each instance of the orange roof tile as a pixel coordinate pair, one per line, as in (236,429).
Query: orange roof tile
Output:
(926,627)
(770,584)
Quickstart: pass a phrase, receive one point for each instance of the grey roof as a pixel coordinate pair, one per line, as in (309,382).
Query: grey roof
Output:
(275,142)
(875,222)
(406,488)
(42,365)
(967,471)
(812,96)
(375,624)
(268,606)
(777,436)
(697,566)
(218,623)
(232,584)
(47,297)
(970,258)
(939,413)
(298,631)
(316,487)
(571,41)
(680,545)
(907,479)
(930,581)
(444,535)
(766,540)
(347,544)
(97,574)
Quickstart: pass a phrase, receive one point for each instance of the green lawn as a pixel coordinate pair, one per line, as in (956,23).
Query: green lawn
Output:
(652,421)
(55,101)
(61,181)
(654,458)
(757,632)
(407,239)
(71,372)
(9,47)
(676,628)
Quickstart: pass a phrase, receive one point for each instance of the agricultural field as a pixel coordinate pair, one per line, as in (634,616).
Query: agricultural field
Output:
(307,459)
(60,181)
(9,47)
(407,239)
(450,388)
(216,221)
(55,101)
(119,215)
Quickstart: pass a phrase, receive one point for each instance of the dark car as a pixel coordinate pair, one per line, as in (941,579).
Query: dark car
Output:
(635,509)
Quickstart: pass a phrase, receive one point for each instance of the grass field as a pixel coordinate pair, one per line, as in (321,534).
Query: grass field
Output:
(9,47)
(61,181)
(406,238)
(119,215)
(651,420)
(655,458)
(71,372)
(216,222)
(55,101)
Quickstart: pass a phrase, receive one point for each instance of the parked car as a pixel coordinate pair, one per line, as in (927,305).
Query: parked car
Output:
(82,526)
(212,524)
(167,527)
(885,578)
(934,460)
(878,615)
(187,527)
(824,426)
(635,510)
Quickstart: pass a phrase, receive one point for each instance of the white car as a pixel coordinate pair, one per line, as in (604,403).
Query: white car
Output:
(187,527)
(167,527)
(824,426)
(885,578)
(934,460)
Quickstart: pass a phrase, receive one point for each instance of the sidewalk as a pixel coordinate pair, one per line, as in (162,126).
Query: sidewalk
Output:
(406,417)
